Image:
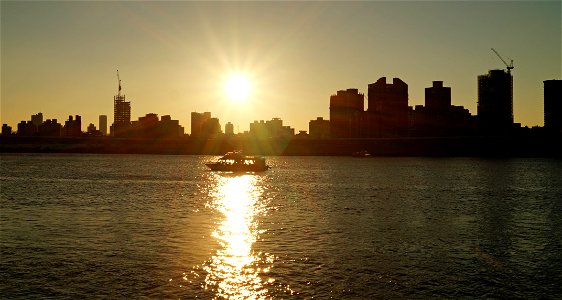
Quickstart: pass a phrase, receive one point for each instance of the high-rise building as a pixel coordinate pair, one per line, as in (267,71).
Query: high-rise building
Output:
(229,129)
(50,128)
(346,109)
(103,124)
(197,121)
(37,119)
(387,108)
(553,105)
(73,127)
(211,127)
(495,102)
(438,97)
(121,115)
(319,128)
(6,130)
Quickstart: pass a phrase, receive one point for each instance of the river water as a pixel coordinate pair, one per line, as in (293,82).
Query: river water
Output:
(135,226)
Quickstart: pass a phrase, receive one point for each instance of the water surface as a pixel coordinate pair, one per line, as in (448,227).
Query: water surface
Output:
(130,226)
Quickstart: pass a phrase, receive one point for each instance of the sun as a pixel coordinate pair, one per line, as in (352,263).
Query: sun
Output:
(237,88)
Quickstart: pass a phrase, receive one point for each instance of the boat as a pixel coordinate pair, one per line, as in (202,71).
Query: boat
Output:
(362,153)
(237,162)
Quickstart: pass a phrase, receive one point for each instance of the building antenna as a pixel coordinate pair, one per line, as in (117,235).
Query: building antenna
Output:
(119,82)
(509,66)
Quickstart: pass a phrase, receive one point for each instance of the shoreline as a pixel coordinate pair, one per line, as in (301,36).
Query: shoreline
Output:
(482,146)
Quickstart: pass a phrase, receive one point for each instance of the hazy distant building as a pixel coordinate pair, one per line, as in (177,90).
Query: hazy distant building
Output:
(387,113)
(270,129)
(37,119)
(319,128)
(103,124)
(553,105)
(197,121)
(121,116)
(495,102)
(211,127)
(229,129)
(6,130)
(346,108)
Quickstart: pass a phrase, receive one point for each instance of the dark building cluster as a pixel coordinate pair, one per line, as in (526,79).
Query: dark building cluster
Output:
(388,114)
(48,128)
(149,126)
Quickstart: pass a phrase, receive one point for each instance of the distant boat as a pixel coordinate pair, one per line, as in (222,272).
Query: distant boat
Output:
(236,162)
(362,153)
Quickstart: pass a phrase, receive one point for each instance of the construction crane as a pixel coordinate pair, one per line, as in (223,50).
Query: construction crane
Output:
(509,66)
(119,82)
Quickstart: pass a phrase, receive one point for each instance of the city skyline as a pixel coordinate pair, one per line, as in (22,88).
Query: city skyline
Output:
(175,57)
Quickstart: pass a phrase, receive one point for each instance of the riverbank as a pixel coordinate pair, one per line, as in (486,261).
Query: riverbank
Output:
(521,146)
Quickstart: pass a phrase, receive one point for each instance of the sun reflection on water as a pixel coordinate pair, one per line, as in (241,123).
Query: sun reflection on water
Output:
(236,271)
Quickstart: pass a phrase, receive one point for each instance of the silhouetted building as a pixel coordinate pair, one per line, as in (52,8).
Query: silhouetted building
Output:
(211,127)
(439,117)
(438,97)
(495,102)
(121,116)
(302,135)
(50,128)
(37,119)
(553,105)
(170,128)
(387,109)
(73,127)
(150,126)
(346,108)
(103,124)
(6,130)
(319,128)
(26,128)
(91,130)
(197,121)
(229,129)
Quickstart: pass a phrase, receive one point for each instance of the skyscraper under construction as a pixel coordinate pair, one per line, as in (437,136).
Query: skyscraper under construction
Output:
(495,102)
(121,113)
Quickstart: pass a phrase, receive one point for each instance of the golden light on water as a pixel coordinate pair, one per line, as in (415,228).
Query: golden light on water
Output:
(234,271)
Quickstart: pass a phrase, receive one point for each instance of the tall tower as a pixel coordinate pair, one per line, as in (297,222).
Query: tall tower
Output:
(103,124)
(121,113)
(553,105)
(495,102)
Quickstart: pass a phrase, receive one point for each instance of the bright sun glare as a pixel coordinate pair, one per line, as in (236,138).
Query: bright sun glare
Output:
(237,88)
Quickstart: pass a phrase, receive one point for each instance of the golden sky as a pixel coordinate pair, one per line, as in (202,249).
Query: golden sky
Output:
(60,58)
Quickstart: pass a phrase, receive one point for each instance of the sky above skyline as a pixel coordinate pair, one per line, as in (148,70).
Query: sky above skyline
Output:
(60,58)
